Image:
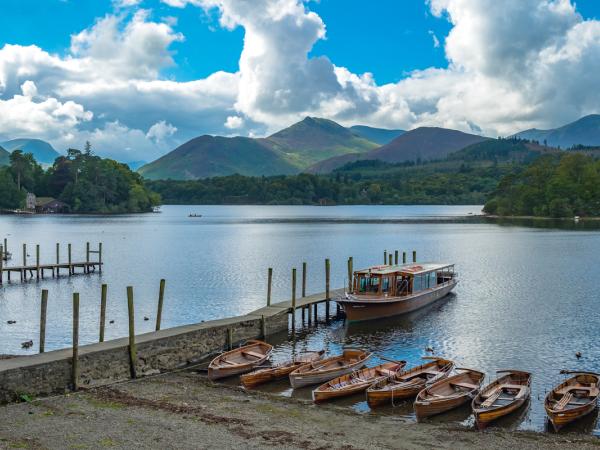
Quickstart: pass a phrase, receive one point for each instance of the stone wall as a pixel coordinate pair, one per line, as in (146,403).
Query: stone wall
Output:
(101,363)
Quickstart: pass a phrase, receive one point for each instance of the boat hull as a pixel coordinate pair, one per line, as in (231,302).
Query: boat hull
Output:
(299,379)
(562,418)
(323,396)
(369,309)
(426,408)
(383,397)
(485,417)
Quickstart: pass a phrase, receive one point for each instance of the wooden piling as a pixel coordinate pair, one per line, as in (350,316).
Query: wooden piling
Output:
(414,256)
(43,308)
(132,352)
(103,311)
(57,259)
(263,328)
(385,257)
(403,257)
(303,283)
(310,310)
(269,283)
(69,256)
(23,274)
(75,362)
(37,261)
(350,273)
(294,300)
(1,263)
(161,296)
(87,257)
(396,257)
(100,257)
(327,274)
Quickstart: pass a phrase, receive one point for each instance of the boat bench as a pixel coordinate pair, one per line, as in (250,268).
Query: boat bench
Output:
(464,385)
(386,372)
(563,401)
(591,391)
(253,354)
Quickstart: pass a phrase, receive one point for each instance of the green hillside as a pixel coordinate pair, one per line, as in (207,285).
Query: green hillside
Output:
(4,155)
(42,151)
(208,156)
(380,136)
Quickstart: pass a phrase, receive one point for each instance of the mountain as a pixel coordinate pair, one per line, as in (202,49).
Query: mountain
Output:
(380,136)
(135,165)
(585,131)
(42,151)
(4,157)
(209,156)
(425,143)
(313,139)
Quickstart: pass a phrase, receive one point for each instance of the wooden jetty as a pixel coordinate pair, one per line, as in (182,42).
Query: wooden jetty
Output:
(39,270)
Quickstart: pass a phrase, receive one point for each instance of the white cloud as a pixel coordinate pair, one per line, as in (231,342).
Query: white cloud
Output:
(234,122)
(436,41)
(160,131)
(126,3)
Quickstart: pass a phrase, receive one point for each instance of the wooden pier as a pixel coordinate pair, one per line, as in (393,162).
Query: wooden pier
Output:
(39,270)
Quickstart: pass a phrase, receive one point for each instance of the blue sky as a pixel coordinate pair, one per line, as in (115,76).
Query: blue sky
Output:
(146,75)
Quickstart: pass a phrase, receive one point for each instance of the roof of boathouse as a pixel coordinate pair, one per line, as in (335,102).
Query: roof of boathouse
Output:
(412,268)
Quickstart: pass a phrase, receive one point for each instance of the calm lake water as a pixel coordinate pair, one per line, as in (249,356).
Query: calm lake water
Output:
(527,297)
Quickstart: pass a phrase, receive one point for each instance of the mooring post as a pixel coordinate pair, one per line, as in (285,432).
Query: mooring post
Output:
(5,248)
(327,273)
(132,355)
(100,257)
(390,263)
(263,328)
(69,256)
(385,257)
(57,260)
(303,283)
(310,308)
(23,273)
(87,257)
(161,296)
(414,256)
(396,257)
(37,261)
(103,293)
(1,263)
(403,257)
(294,300)
(43,308)
(269,282)
(350,273)
(75,363)
(229,339)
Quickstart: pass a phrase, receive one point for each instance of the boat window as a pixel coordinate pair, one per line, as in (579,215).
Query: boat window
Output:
(418,283)
(385,287)
(369,284)
(402,285)
(432,280)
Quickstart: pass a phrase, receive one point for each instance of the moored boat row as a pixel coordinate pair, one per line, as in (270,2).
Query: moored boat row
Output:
(437,384)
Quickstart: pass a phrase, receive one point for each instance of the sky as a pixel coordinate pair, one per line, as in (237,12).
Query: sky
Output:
(139,77)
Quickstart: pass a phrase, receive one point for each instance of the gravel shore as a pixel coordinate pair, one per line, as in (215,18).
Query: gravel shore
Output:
(185,411)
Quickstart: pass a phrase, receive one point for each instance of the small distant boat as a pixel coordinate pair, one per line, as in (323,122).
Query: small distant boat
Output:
(278,371)
(409,383)
(239,360)
(195,215)
(501,397)
(572,399)
(356,382)
(329,368)
(448,393)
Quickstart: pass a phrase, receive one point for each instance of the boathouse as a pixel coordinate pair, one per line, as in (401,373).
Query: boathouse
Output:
(49,205)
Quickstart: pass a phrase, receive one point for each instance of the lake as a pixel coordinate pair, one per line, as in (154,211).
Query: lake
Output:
(527,297)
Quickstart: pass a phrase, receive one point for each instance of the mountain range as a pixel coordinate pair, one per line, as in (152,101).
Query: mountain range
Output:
(585,131)
(42,151)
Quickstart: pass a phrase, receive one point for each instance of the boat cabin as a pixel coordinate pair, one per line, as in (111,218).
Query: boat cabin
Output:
(401,280)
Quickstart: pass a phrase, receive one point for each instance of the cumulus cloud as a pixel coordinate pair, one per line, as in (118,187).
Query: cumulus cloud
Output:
(160,131)
(234,122)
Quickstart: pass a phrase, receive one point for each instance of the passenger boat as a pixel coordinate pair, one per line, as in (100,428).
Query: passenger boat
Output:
(572,399)
(501,397)
(389,290)
(239,360)
(329,368)
(409,383)
(265,375)
(356,382)
(448,393)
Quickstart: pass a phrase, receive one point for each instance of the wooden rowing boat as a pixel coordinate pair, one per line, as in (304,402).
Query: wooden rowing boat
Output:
(572,399)
(409,383)
(329,368)
(356,382)
(501,397)
(448,393)
(278,371)
(239,360)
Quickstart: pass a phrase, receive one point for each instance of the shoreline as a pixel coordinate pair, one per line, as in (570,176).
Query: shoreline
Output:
(185,410)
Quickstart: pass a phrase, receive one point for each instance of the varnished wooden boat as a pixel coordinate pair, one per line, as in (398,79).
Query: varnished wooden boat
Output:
(501,397)
(409,383)
(448,393)
(572,399)
(239,360)
(329,368)
(278,371)
(356,382)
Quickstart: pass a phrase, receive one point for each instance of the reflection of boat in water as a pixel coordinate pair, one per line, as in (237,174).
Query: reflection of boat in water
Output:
(390,290)
(195,215)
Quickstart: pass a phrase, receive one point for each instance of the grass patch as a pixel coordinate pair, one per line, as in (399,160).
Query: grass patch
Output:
(104,404)
(107,442)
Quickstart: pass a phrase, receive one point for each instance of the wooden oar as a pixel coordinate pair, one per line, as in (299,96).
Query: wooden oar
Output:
(582,372)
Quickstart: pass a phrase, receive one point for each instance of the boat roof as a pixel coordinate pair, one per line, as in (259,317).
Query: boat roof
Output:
(411,269)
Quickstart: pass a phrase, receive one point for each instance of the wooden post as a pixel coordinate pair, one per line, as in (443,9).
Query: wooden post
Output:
(23,273)
(5,248)
(75,363)
(229,339)
(310,313)
(294,300)
(161,296)
(263,328)
(69,255)
(414,256)
(37,261)
(390,263)
(1,263)
(396,257)
(385,256)
(132,354)
(103,311)
(303,284)
(269,282)
(350,273)
(100,257)
(327,273)
(316,312)
(403,257)
(44,306)
(57,259)
(87,257)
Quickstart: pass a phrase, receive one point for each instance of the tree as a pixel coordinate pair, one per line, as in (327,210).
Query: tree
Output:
(24,169)
(11,197)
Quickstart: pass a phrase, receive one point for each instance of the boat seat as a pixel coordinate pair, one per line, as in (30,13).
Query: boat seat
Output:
(592,391)
(465,385)
(491,399)
(231,363)
(386,372)
(563,401)
(253,354)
